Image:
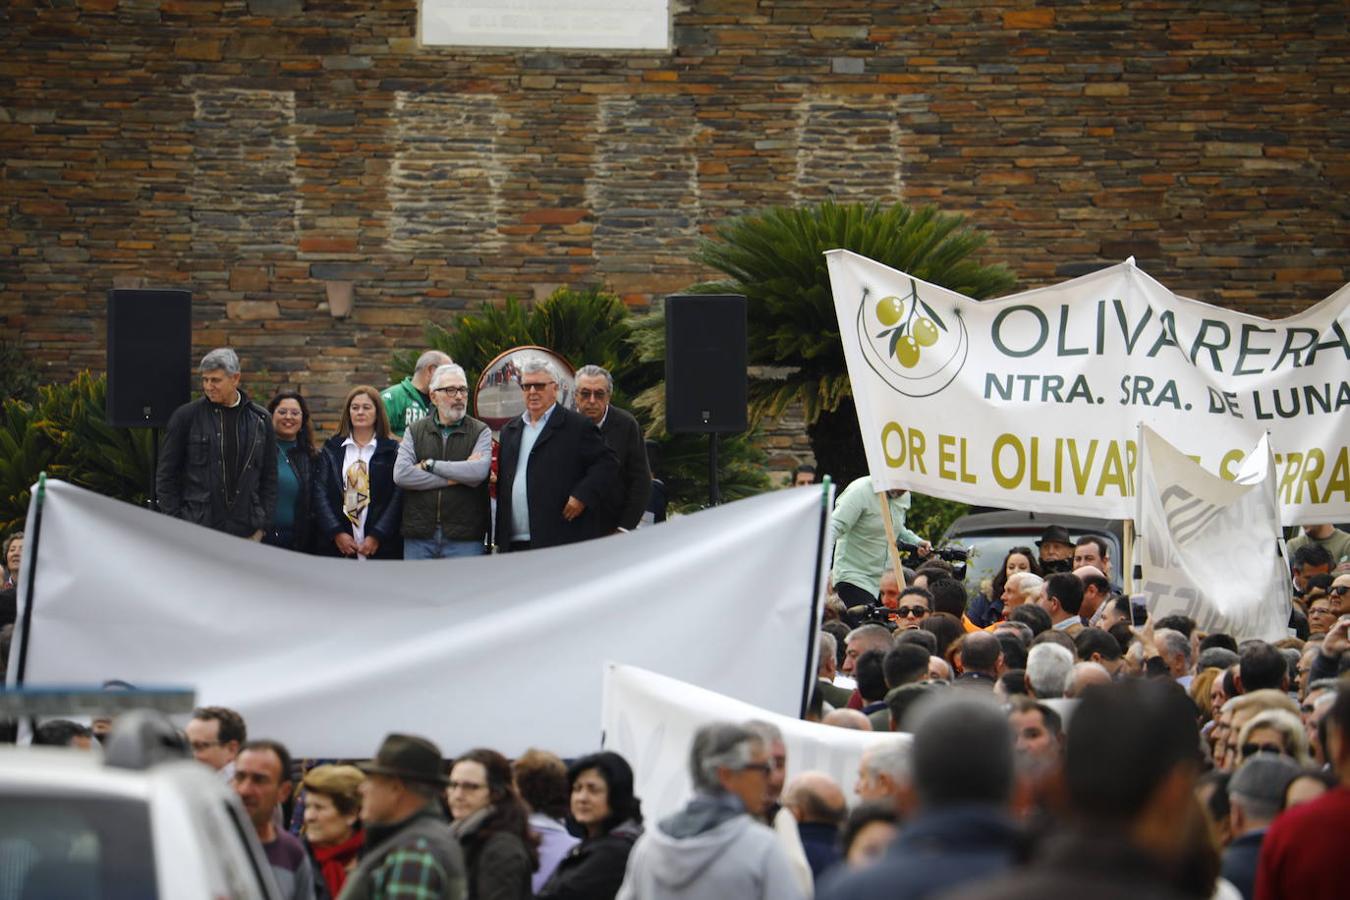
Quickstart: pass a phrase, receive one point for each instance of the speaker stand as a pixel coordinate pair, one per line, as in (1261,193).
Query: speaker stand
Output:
(714,492)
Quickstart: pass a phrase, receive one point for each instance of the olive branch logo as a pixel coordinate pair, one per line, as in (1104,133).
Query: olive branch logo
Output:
(909,331)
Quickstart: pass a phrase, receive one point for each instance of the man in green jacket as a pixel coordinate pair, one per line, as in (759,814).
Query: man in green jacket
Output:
(410,399)
(410,851)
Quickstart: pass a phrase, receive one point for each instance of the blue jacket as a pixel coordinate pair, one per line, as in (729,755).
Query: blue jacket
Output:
(938,851)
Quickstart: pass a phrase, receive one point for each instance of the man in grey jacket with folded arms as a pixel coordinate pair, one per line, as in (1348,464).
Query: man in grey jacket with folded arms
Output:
(713,847)
(442,467)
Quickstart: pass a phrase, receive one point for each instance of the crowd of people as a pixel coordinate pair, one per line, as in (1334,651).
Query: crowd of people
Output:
(1052,738)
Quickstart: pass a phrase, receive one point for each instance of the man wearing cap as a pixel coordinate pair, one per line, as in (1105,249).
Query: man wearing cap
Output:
(1056,549)
(411,851)
(1255,798)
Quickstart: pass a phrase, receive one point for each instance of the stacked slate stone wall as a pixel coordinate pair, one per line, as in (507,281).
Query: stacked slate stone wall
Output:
(254,150)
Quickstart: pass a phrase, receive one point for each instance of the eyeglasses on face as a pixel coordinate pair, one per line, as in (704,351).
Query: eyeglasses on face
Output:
(453,391)
(1340,590)
(1320,611)
(917,612)
(1250,749)
(587,394)
(757,767)
(528,386)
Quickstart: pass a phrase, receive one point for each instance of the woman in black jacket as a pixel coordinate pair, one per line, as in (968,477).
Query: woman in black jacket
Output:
(491,824)
(292,524)
(358,510)
(603,805)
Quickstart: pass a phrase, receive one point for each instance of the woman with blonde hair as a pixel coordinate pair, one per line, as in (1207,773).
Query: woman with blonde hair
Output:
(358,509)
(332,833)
(1275,731)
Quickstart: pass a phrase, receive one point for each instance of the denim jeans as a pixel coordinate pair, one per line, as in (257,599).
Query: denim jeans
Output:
(437,547)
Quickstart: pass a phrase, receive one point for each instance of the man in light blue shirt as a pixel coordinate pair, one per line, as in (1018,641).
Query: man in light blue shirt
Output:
(556,477)
(860,553)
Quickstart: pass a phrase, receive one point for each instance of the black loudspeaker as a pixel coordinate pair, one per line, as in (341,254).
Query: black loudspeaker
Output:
(705,364)
(149,356)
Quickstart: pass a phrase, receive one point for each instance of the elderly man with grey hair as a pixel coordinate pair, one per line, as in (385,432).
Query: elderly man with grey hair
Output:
(714,847)
(623,435)
(886,775)
(1049,668)
(1255,797)
(555,475)
(1175,650)
(409,400)
(218,462)
(442,466)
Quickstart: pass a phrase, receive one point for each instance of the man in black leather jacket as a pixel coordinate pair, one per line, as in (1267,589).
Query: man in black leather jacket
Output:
(218,463)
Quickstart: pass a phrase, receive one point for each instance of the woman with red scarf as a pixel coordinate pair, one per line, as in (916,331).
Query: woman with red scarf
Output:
(332,831)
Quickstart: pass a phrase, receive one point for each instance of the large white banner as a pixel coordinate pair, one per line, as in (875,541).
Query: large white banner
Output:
(650,720)
(1210,548)
(329,655)
(1032,401)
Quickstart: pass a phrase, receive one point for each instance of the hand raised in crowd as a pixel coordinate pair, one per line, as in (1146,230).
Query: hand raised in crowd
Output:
(573,508)
(369,546)
(346,544)
(925,548)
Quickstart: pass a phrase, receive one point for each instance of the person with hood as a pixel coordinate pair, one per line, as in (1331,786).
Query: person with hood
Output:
(218,463)
(409,400)
(604,806)
(714,847)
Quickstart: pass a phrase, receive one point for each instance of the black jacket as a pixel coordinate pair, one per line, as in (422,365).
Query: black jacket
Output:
(190,479)
(302,463)
(383,516)
(569,459)
(593,869)
(624,436)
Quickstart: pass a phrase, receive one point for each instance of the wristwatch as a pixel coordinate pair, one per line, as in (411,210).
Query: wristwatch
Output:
(425,465)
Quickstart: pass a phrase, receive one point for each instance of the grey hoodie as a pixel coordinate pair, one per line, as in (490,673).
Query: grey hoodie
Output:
(736,859)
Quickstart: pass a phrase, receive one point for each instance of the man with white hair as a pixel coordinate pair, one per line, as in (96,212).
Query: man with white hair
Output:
(886,775)
(408,401)
(594,390)
(1175,650)
(555,474)
(1021,587)
(218,462)
(1049,667)
(442,467)
(714,847)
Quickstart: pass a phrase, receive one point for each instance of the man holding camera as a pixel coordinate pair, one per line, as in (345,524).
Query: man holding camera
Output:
(860,553)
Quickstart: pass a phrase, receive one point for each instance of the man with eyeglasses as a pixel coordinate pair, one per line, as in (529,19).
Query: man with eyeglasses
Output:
(623,435)
(913,607)
(714,847)
(442,467)
(555,475)
(215,735)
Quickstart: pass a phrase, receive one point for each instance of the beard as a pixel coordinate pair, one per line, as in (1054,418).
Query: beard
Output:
(453,414)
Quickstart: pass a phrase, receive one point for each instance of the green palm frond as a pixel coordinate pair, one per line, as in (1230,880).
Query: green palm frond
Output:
(776,259)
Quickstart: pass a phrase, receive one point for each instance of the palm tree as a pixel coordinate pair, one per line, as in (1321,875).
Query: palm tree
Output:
(776,259)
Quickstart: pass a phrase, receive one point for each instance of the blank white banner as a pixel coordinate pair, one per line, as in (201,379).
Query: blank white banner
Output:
(650,720)
(329,655)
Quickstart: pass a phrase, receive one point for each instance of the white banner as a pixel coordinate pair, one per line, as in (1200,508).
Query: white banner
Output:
(1210,548)
(1032,401)
(328,655)
(650,720)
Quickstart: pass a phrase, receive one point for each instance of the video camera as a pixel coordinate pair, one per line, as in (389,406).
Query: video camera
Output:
(955,555)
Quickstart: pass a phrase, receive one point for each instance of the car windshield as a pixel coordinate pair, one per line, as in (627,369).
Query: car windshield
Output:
(76,848)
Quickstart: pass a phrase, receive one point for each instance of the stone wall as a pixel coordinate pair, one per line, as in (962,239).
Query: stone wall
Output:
(253,151)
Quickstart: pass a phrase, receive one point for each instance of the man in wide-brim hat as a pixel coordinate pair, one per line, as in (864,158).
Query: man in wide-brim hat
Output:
(410,850)
(1056,546)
